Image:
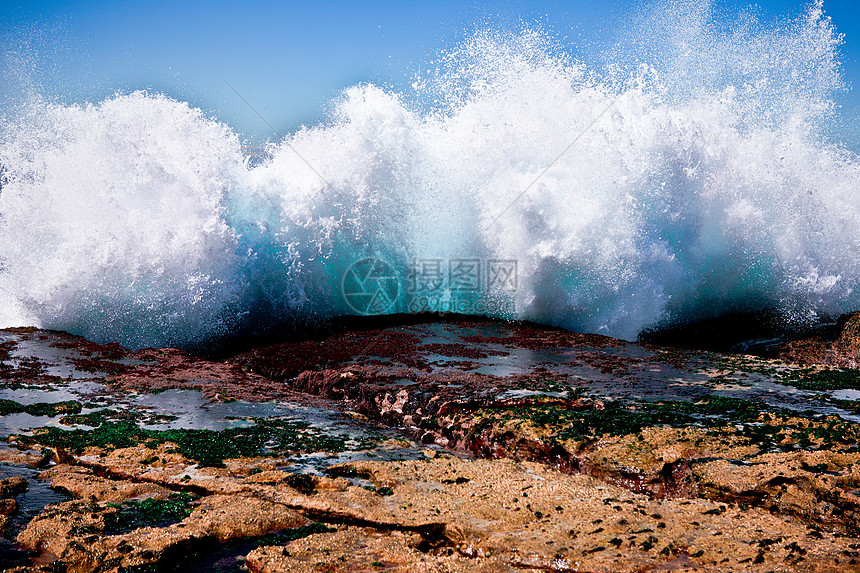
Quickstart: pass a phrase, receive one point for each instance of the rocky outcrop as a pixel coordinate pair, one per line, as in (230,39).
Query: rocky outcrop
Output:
(564,452)
(442,512)
(10,487)
(838,346)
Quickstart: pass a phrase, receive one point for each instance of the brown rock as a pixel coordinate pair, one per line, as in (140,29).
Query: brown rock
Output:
(20,458)
(8,506)
(166,368)
(239,516)
(364,549)
(839,346)
(12,486)
(81,482)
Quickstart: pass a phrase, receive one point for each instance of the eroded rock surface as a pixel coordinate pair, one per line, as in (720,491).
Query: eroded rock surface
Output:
(838,346)
(444,513)
(552,451)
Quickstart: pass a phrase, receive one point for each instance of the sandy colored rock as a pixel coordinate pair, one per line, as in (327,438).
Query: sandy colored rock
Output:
(838,346)
(71,532)
(444,513)
(21,458)
(172,469)
(81,482)
(688,526)
(364,549)
(153,547)
(500,515)
(241,516)
(60,526)
(816,487)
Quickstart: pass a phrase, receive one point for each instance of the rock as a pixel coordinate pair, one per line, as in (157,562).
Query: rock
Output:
(504,516)
(72,532)
(8,506)
(61,526)
(601,455)
(242,516)
(838,346)
(809,486)
(364,549)
(29,459)
(146,549)
(12,486)
(849,333)
(81,482)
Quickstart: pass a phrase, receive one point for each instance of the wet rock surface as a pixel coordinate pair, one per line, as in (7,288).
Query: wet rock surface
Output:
(438,446)
(838,345)
(832,342)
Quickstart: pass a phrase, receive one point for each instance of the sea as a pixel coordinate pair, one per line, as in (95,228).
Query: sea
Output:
(694,169)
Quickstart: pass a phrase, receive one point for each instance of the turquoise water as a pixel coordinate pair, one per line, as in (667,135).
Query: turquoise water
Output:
(690,172)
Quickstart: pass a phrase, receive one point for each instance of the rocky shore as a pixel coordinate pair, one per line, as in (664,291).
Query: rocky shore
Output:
(458,445)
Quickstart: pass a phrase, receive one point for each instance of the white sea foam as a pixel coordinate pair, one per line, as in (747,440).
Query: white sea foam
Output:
(690,174)
(112,219)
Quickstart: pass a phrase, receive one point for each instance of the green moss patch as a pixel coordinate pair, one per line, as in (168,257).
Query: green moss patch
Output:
(149,512)
(821,380)
(50,409)
(209,448)
(99,417)
(768,428)
(619,417)
(71,413)
(788,432)
(285,536)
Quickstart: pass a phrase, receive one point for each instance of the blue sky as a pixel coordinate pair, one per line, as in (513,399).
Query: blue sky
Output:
(289,59)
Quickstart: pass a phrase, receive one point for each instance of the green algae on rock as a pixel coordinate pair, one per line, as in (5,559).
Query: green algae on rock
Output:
(207,447)
(50,409)
(823,378)
(691,460)
(148,512)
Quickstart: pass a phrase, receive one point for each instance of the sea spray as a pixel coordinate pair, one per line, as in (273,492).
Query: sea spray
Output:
(112,219)
(685,173)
